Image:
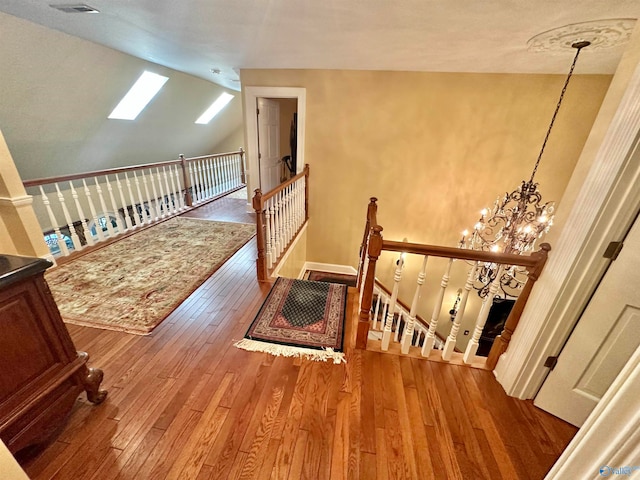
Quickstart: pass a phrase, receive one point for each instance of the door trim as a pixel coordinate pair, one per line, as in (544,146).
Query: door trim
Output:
(251,95)
(610,437)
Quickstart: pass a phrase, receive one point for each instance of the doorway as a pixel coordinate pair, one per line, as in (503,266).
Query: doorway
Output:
(251,96)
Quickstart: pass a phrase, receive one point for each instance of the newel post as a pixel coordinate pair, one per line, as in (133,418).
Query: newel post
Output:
(501,342)
(364,317)
(261,261)
(243,178)
(372,209)
(306,192)
(185,178)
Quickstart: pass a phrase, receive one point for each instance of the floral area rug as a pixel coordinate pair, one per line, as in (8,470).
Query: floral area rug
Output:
(133,284)
(300,318)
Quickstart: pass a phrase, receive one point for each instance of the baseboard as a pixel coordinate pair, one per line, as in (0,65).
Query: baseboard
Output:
(329,267)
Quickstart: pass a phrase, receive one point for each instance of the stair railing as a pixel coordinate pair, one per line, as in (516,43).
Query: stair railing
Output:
(374,244)
(85,209)
(280,215)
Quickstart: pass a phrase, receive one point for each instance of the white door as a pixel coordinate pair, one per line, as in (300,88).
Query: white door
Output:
(602,342)
(269,143)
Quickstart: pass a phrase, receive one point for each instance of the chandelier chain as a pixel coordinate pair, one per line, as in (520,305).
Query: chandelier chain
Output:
(555,114)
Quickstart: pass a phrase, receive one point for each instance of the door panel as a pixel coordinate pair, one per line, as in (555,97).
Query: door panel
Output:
(601,344)
(269,143)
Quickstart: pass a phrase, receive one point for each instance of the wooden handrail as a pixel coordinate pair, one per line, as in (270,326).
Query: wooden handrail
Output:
(96,173)
(266,196)
(462,254)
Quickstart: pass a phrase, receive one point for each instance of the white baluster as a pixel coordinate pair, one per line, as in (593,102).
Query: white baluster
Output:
(179,195)
(114,205)
(54,223)
(292,219)
(385,309)
(143,211)
(170,206)
(225,174)
(301,201)
(472,346)
(287,224)
(206,173)
(135,219)
(104,209)
(376,309)
(267,223)
(201,191)
(195,184)
(409,327)
(399,318)
(450,344)
(174,192)
(83,221)
(272,221)
(194,193)
(234,170)
(281,222)
(277,224)
(429,341)
(156,201)
(217,175)
(72,231)
(153,213)
(125,210)
(92,208)
(164,196)
(386,334)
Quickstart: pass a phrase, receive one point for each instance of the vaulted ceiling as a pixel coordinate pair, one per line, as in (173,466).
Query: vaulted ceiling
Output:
(198,36)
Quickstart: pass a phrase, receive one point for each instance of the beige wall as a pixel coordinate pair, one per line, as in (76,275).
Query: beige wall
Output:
(435,148)
(232,142)
(57,91)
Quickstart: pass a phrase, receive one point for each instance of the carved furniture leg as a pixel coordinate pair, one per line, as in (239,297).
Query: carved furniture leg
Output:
(91,379)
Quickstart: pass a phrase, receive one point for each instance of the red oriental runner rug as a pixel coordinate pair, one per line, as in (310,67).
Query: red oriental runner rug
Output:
(300,318)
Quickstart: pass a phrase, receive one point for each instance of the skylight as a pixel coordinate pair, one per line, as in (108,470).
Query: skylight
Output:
(145,88)
(215,108)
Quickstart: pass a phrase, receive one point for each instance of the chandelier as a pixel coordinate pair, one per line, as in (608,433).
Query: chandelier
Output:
(515,221)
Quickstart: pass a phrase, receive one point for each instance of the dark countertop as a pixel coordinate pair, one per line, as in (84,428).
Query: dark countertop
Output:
(14,268)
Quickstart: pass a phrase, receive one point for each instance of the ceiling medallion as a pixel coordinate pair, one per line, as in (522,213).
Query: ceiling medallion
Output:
(600,33)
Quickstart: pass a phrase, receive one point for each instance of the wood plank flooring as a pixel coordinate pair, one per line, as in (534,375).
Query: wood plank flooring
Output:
(185,404)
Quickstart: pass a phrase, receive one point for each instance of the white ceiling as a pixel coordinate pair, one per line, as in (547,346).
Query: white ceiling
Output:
(194,36)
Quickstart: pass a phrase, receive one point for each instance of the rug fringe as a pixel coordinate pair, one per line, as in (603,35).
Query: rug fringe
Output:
(289,351)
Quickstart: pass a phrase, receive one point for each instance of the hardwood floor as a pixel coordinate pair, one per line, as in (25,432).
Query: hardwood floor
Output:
(185,404)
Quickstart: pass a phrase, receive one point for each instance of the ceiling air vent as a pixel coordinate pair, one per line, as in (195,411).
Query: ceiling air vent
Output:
(77,8)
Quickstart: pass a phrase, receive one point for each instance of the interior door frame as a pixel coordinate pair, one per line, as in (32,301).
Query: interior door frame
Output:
(251,95)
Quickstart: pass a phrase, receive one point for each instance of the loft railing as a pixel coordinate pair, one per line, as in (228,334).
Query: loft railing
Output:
(373,245)
(280,214)
(85,209)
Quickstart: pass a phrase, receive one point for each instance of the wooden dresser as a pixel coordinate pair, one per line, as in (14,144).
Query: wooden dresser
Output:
(41,374)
